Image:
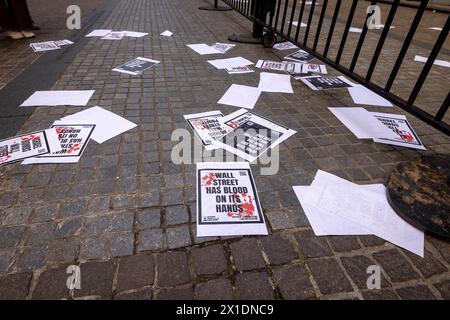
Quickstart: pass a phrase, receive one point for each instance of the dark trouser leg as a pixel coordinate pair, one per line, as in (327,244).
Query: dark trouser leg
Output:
(21,15)
(6,20)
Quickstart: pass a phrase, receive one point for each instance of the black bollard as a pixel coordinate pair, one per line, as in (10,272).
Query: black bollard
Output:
(216,7)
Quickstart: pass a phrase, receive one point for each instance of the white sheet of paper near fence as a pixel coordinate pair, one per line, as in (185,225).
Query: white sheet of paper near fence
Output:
(227,200)
(202,49)
(107,124)
(273,82)
(167,33)
(98,33)
(302,25)
(285,46)
(240,96)
(362,95)
(230,63)
(355,30)
(441,63)
(135,34)
(59,98)
(366,208)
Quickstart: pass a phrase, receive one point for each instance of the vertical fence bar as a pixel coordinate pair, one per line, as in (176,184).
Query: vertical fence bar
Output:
(308,27)
(283,22)
(248,8)
(319,26)
(360,41)
(294,6)
(347,27)
(278,13)
(333,24)
(443,109)
(406,44)
(300,18)
(426,69)
(383,36)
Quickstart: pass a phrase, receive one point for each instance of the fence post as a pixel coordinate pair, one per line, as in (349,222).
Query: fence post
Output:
(215,7)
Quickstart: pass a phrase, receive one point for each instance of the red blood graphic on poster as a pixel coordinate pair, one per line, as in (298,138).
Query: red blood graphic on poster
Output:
(75,147)
(30,138)
(208,179)
(234,124)
(247,205)
(4,158)
(404,135)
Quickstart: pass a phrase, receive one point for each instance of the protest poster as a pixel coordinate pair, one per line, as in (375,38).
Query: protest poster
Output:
(239,70)
(115,35)
(284,46)
(206,126)
(136,66)
(62,43)
(223,47)
(28,145)
(227,201)
(73,140)
(325,83)
(308,69)
(44,46)
(404,133)
(253,136)
(283,66)
(300,56)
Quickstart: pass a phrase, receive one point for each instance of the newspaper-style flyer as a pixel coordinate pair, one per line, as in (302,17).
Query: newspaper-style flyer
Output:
(206,126)
(136,66)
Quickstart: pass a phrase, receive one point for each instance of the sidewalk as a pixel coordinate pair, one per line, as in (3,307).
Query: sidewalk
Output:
(126,214)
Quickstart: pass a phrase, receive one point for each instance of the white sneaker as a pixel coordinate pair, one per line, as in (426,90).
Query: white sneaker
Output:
(15,35)
(28,34)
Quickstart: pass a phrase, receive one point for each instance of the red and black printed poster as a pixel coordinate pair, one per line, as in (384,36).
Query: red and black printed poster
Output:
(227,200)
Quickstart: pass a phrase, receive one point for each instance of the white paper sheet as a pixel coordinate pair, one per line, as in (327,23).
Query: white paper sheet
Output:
(355,30)
(136,66)
(223,47)
(207,126)
(73,141)
(240,96)
(441,63)
(107,124)
(135,34)
(239,212)
(98,33)
(435,28)
(362,123)
(302,25)
(44,46)
(64,42)
(285,46)
(59,98)
(166,33)
(366,208)
(239,70)
(362,95)
(230,63)
(202,49)
(115,35)
(272,82)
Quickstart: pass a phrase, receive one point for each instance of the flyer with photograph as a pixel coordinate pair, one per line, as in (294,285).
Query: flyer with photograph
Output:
(206,126)
(136,66)
(325,83)
(227,200)
(300,56)
(44,46)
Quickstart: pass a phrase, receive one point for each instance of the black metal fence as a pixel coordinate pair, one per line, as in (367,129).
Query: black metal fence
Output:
(321,26)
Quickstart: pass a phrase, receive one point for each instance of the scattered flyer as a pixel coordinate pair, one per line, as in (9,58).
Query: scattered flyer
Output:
(284,66)
(300,56)
(166,33)
(136,66)
(253,135)
(59,98)
(241,96)
(285,46)
(115,35)
(73,140)
(44,46)
(202,48)
(62,43)
(227,201)
(135,34)
(405,135)
(441,63)
(206,126)
(325,83)
(239,70)
(98,33)
(308,69)
(223,47)
(28,145)
(230,62)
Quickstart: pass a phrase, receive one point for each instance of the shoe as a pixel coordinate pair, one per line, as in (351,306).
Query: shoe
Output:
(35,26)
(15,35)
(28,34)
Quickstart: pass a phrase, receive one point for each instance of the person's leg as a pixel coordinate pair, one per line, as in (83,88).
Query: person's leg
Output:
(6,21)
(22,18)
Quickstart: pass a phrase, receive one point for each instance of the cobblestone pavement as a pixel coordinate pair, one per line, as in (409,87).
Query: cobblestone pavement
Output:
(126,214)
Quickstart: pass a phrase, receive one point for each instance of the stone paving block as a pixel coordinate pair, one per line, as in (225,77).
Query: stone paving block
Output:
(209,260)
(429,265)
(145,294)
(383,294)
(178,237)
(278,249)
(17,216)
(6,256)
(62,251)
(218,289)
(329,276)
(149,218)
(123,221)
(444,288)
(395,265)
(150,240)
(97,225)
(247,255)
(176,294)
(93,248)
(10,236)
(286,218)
(418,292)
(254,286)
(97,279)
(68,227)
(371,241)
(51,285)
(15,286)
(73,208)
(135,272)
(176,215)
(312,246)
(31,258)
(149,199)
(356,267)
(172,269)
(343,243)
(293,282)
(45,213)
(121,245)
